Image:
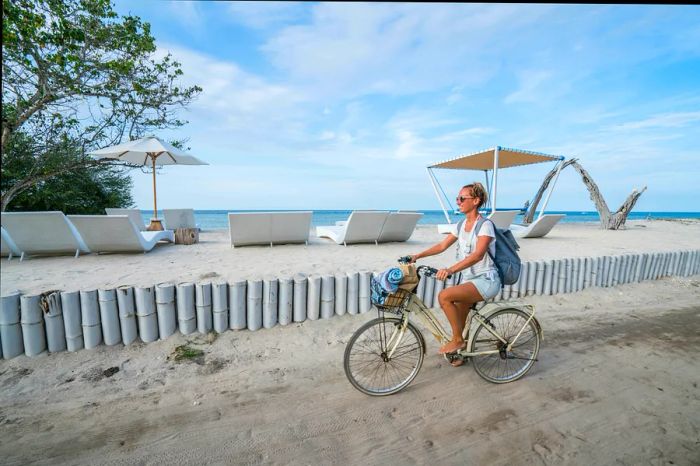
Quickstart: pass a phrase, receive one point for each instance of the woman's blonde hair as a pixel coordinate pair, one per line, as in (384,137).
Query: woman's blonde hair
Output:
(478,191)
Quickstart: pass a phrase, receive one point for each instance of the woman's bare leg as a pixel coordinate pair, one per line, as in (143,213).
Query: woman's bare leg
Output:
(455,302)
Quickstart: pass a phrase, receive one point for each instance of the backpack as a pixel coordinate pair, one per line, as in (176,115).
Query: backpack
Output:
(507,260)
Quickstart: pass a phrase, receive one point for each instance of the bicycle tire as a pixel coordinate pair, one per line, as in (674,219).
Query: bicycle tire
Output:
(507,323)
(410,358)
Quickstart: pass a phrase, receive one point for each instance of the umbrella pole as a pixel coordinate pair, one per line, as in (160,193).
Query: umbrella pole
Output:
(155,224)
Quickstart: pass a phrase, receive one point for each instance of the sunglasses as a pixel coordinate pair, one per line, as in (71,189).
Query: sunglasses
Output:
(461,199)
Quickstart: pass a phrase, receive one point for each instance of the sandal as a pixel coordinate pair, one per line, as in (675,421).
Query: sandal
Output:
(450,348)
(457,362)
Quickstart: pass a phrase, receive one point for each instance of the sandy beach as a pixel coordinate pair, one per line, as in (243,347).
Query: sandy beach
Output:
(213,259)
(616,380)
(616,383)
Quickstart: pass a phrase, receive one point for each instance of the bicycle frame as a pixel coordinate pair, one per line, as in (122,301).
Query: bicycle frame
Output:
(417,306)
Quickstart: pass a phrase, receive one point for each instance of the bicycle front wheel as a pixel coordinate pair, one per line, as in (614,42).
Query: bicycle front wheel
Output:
(506,366)
(370,368)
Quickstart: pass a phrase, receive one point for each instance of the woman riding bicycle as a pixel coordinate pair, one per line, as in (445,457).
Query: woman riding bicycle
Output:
(480,279)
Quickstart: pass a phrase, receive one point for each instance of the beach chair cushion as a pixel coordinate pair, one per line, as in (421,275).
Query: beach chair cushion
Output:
(43,233)
(133,214)
(361,227)
(179,218)
(399,226)
(251,228)
(117,233)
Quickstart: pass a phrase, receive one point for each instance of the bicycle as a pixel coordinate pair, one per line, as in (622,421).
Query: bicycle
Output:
(385,354)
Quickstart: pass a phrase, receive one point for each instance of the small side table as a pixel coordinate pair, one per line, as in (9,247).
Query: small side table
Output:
(186,235)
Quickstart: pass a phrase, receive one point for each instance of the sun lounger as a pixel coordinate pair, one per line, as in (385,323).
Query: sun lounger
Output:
(361,227)
(134,215)
(117,233)
(399,226)
(179,218)
(255,228)
(501,219)
(36,233)
(538,228)
(8,247)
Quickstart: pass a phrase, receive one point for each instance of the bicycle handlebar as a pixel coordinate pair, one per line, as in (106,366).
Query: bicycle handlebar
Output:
(423,270)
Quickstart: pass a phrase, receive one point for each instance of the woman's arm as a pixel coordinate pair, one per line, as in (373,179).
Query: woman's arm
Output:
(482,244)
(435,249)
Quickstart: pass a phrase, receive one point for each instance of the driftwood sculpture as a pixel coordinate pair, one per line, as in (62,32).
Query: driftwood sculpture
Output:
(608,220)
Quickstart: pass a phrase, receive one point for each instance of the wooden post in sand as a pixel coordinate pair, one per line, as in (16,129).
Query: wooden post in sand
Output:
(646,271)
(90,314)
(300,289)
(522,280)
(539,277)
(127,314)
(109,317)
(341,294)
(219,306)
(32,323)
(53,322)
(237,305)
(286,300)
(70,303)
(547,279)
(638,268)
(313,297)
(420,289)
(531,277)
(555,276)
(429,291)
(437,288)
(353,299)
(270,290)
(10,328)
(165,310)
(254,304)
(327,296)
(146,316)
(580,276)
(186,314)
(202,302)
(364,294)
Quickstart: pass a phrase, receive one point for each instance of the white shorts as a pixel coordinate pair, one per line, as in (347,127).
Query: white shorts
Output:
(487,284)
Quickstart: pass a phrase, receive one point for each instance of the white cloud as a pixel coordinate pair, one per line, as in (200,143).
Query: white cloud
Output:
(262,15)
(530,87)
(665,120)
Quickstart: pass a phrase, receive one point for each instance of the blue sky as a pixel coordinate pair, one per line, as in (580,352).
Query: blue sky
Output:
(342,106)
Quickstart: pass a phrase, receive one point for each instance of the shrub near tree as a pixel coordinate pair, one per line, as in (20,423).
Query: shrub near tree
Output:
(76,77)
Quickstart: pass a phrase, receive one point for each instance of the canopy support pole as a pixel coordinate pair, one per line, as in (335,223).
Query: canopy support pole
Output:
(495,178)
(488,189)
(433,181)
(556,177)
(155,224)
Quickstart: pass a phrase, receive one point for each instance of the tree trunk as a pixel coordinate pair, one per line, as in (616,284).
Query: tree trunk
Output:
(530,214)
(608,220)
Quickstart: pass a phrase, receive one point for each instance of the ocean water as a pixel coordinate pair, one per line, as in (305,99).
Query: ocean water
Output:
(218,219)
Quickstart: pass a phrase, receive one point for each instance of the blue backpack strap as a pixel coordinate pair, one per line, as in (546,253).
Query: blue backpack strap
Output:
(477,228)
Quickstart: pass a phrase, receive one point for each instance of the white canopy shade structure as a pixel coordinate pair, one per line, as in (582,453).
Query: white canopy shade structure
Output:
(149,151)
(491,160)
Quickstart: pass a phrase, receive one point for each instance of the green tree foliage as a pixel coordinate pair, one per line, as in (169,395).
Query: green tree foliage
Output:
(75,71)
(87,190)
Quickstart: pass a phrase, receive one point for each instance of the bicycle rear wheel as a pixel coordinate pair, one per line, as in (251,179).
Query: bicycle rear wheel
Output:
(506,366)
(367,364)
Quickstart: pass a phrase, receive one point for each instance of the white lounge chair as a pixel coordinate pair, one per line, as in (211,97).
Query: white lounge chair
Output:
(117,233)
(179,218)
(36,233)
(255,228)
(361,227)
(501,219)
(538,228)
(7,245)
(134,215)
(399,226)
